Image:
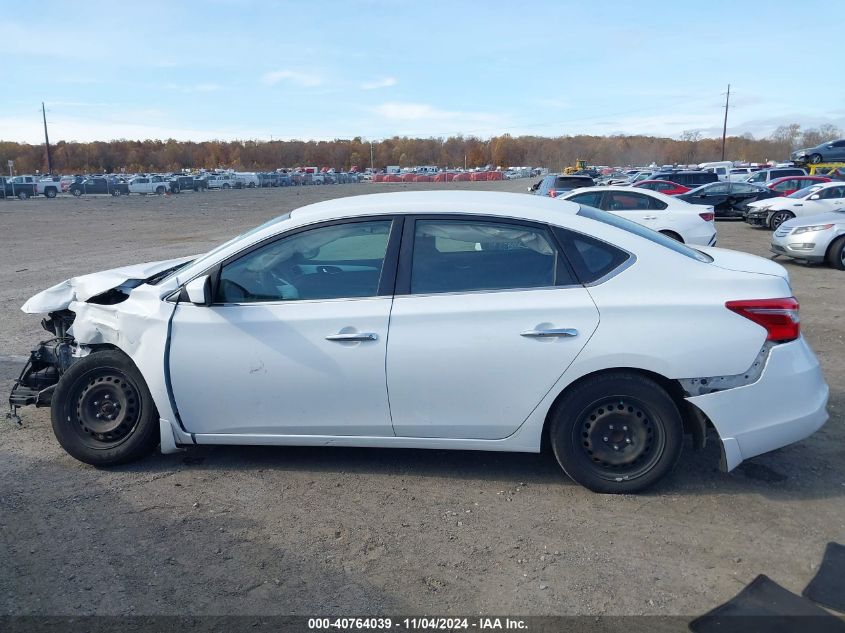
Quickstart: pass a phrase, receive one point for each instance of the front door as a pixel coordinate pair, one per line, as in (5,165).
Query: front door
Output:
(486,319)
(294,343)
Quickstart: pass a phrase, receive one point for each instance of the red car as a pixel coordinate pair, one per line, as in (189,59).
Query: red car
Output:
(790,184)
(663,186)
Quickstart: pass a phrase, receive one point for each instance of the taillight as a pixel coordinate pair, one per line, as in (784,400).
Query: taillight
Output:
(552,193)
(707,217)
(778,316)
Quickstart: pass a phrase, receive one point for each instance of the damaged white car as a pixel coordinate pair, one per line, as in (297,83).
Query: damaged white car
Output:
(450,320)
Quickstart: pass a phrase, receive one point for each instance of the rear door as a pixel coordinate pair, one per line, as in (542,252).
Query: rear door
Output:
(639,207)
(487,316)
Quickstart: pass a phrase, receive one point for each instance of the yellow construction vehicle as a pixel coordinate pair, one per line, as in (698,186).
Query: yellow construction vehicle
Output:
(580,165)
(822,169)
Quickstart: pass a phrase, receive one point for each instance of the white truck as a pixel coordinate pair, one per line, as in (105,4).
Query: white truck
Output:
(247,179)
(149,184)
(221,181)
(48,186)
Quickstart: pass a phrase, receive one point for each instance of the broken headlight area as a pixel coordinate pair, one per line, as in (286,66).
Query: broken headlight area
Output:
(45,365)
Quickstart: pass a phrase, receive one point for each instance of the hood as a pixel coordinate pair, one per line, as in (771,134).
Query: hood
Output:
(84,287)
(743,262)
(762,204)
(832,217)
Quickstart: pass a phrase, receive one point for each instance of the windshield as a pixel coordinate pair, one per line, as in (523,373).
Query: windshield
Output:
(210,254)
(806,191)
(641,231)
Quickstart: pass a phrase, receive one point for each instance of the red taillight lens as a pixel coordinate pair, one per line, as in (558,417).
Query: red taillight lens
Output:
(778,316)
(552,193)
(707,217)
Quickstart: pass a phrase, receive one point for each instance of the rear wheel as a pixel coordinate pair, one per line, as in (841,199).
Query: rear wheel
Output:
(115,192)
(778,218)
(76,192)
(102,411)
(23,195)
(50,193)
(616,433)
(160,191)
(836,253)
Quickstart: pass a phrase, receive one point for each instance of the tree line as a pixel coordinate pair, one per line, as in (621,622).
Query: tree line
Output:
(454,151)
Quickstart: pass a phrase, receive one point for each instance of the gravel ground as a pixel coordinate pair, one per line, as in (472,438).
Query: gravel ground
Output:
(220,530)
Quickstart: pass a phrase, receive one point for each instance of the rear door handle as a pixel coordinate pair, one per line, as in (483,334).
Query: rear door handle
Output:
(353,336)
(649,217)
(559,332)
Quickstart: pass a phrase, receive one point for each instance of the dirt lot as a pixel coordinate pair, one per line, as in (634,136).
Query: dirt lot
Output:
(348,531)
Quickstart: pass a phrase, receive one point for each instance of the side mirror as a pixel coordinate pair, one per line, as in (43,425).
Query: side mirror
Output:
(199,291)
(815,196)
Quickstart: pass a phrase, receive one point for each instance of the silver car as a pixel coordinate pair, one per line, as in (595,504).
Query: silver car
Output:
(815,239)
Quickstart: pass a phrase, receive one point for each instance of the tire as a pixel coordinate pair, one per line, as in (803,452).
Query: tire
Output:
(115,193)
(836,253)
(251,185)
(595,452)
(104,383)
(673,235)
(225,186)
(778,218)
(160,191)
(50,193)
(23,195)
(816,158)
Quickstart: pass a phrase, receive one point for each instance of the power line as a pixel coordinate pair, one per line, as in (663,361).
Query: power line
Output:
(725,125)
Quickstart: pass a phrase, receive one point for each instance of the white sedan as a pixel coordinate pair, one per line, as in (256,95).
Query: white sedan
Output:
(448,320)
(680,220)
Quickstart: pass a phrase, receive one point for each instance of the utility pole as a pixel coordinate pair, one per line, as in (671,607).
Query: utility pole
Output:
(47,140)
(372,164)
(725,125)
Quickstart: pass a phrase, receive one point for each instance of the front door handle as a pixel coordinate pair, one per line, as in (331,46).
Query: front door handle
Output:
(649,217)
(353,336)
(559,332)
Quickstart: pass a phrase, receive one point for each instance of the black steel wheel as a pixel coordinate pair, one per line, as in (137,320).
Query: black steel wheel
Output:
(616,433)
(102,411)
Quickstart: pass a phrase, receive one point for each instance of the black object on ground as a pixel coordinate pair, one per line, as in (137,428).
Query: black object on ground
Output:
(766,607)
(827,588)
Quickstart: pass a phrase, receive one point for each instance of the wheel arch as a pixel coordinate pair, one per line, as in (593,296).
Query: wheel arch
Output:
(695,422)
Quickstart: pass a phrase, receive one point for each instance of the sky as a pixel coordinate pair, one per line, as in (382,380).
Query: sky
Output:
(238,69)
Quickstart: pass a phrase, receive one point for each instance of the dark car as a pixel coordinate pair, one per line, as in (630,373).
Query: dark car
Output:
(829,152)
(99,184)
(268,179)
(553,185)
(728,199)
(185,183)
(689,179)
(15,188)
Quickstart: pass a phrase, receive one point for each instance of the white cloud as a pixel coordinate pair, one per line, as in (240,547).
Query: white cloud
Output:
(301,79)
(385,82)
(424,119)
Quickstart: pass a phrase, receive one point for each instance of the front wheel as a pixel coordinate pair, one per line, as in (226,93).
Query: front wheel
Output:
(115,192)
(836,253)
(50,193)
(23,195)
(778,218)
(815,158)
(616,433)
(160,191)
(76,192)
(102,411)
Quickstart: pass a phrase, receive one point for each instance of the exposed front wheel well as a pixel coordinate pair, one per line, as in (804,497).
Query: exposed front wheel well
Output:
(695,422)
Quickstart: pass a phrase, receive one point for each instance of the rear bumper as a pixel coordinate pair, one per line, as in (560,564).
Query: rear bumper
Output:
(786,404)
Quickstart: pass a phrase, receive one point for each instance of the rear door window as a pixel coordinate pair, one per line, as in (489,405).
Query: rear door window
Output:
(473,255)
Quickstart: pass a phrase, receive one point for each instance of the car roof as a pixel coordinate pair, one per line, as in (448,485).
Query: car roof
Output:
(804,176)
(630,188)
(503,204)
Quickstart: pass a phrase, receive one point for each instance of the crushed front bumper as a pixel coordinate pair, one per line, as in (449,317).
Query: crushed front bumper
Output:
(786,404)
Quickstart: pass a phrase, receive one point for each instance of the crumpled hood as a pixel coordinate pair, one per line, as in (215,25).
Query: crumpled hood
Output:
(84,287)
